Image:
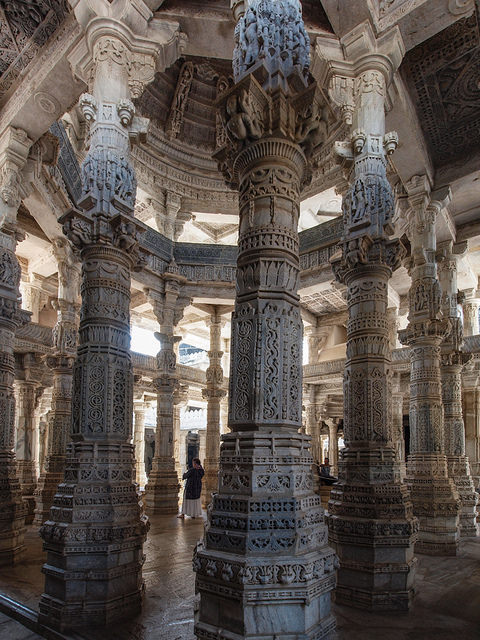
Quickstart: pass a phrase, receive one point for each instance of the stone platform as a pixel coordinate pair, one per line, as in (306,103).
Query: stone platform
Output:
(446,605)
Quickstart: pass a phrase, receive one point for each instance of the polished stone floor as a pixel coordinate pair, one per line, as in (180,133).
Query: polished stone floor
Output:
(446,607)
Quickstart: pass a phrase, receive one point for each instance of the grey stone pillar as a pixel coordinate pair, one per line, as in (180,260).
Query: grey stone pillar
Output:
(264,568)
(95,534)
(161,491)
(332,445)
(366,528)
(12,508)
(213,395)
(139,442)
(434,496)
(452,363)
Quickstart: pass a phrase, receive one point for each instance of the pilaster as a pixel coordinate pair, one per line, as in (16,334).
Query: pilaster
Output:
(139,441)
(434,496)
(264,568)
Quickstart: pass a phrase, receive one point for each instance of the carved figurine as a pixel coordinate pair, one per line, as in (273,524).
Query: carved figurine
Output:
(242,122)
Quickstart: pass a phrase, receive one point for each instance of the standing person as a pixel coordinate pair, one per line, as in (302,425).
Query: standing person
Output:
(192,505)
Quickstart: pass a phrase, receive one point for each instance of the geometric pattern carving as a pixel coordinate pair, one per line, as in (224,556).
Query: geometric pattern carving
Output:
(24,28)
(442,74)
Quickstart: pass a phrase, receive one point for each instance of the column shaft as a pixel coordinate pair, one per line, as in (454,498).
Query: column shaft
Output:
(139,443)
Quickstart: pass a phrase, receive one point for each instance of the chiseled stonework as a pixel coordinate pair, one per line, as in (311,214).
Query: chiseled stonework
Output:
(264,567)
(371,525)
(434,496)
(96,531)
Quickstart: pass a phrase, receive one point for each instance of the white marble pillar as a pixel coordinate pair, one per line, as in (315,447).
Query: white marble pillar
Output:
(139,441)
(452,363)
(471,310)
(434,496)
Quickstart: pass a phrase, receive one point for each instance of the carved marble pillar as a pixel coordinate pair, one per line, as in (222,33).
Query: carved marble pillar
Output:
(14,149)
(26,397)
(371,524)
(95,534)
(139,441)
(264,568)
(452,363)
(213,395)
(12,508)
(471,415)
(61,363)
(161,491)
(434,496)
(332,445)
(471,310)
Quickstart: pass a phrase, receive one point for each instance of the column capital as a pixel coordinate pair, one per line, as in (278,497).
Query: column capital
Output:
(130,35)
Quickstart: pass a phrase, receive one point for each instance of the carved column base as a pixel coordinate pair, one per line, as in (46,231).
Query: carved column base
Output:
(161,490)
(94,540)
(459,471)
(265,569)
(435,503)
(373,530)
(12,512)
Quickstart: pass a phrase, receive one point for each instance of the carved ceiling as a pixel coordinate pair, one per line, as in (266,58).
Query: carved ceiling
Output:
(326,301)
(188,100)
(443,77)
(25,26)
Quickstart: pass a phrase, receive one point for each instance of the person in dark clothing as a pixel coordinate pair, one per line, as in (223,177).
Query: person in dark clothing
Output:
(192,505)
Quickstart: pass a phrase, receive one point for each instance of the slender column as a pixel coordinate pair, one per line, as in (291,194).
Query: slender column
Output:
(332,445)
(435,498)
(61,363)
(95,534)
(26,400)
(397,428)
(371,524)
(452,363)
(264,568)
(161,491)
(139,442)
(213,394)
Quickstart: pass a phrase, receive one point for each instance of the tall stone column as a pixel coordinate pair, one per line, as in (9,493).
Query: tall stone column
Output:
(61,364)
(434,496)
(26,401)
(332,445)
(14,149)
(95,534)
(452,363)
(371,524)
(139,442)
(264,568)
(161,491)
(213,395)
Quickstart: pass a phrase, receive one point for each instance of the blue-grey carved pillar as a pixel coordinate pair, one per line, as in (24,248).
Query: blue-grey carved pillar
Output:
(371,525)
(95,534)
(264,568)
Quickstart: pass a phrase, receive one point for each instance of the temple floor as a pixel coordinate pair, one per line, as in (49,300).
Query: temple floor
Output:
(446,605)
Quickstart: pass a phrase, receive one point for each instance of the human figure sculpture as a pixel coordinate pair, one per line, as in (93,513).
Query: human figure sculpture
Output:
(242,122)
